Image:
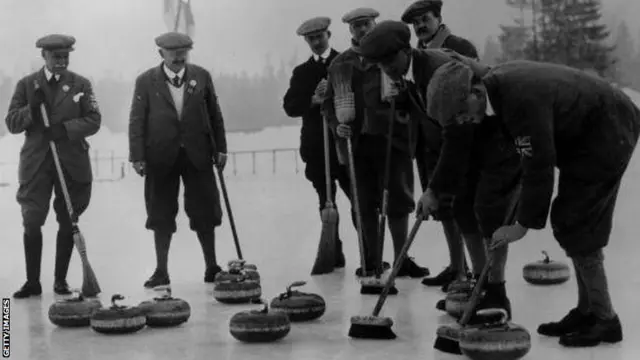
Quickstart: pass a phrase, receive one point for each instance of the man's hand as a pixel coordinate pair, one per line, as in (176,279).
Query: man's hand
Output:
(319,93)
(55,132)
(317,99)
(506,235)
(140,167)
(344,131)
(221,160)
(427,204)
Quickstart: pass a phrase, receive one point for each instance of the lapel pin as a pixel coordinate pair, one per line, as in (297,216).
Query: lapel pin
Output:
(65,88)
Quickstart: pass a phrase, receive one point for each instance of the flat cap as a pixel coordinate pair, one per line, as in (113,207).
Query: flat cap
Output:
(385,40)
(360,13)
(420,7)
(313,25)
(56,42)
(174,41)
(448,90)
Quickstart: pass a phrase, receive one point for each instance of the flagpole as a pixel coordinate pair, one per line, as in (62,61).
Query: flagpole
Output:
(177,23)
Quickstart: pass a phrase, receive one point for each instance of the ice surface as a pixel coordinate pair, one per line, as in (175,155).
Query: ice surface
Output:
(279,226)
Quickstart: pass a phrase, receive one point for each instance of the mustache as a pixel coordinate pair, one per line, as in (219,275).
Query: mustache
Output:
(422,30)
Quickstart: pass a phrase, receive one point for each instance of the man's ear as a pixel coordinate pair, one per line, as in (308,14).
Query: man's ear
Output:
(328,34)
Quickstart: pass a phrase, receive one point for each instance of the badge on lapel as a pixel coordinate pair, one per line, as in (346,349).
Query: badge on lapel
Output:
(77,96)
(191,87)
(65,88)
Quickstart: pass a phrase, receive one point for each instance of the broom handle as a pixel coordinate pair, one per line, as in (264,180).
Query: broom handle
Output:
(385,192)
(225,193)
(327,163)
(356,203)
(475,294)
(396,267)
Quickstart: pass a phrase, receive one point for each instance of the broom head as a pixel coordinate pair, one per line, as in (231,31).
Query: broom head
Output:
(90,286)
(374,286)
(326,256)
(371,327)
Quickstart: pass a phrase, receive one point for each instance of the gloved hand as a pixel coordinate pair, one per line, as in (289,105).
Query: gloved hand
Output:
(321,88)
(427,205)
(221,161)
(140,167)
(344,131)
(55,132)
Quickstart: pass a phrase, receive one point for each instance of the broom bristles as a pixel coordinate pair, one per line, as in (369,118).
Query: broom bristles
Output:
(372,320)
(90,285)
(325,258)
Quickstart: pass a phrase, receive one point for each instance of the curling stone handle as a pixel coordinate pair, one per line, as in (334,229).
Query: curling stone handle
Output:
(396,267)
(546,259)
(164,290)
(115,298)
(296,284)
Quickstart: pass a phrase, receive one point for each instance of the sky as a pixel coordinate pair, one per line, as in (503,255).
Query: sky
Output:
(116,37)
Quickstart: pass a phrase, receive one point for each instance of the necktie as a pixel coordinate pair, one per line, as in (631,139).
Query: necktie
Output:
(53,81)
(177,81)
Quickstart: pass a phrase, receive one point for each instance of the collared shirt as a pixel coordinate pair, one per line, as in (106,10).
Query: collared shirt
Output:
(324,56)
(171,74)
(177,93)
(49,74)
(489,110)
(409,75)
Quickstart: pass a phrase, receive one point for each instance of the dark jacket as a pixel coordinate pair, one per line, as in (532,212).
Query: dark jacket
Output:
(297,103)
(458,44)
(561,117)
(156,134)
(73,105)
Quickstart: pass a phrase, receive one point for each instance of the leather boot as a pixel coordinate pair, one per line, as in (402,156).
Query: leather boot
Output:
(601,331)
(208,243)
(340,260)
(161,274)
(64,250)
(32,240)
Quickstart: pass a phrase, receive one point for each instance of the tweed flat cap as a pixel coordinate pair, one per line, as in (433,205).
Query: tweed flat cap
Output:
(174,41)
(360,13)
(420,7)
(448,90)
(385,40)
(56,42)
(316,24)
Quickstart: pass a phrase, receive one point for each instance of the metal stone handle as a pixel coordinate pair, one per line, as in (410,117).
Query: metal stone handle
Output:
(165,290)
(546,257)
(503,316)
(296,284)
(114,298)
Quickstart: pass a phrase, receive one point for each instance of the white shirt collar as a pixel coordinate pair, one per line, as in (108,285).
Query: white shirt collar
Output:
(48,74)
(489,110)
(324,55)
(409,75)
(171,74)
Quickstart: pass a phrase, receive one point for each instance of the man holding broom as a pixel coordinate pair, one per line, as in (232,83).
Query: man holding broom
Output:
(590,142)
(432,33)
(74,115)
(369,136)
(303,99)
(173,113)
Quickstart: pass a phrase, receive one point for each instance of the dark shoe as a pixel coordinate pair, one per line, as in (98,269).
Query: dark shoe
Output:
(61,287)
(211,272)
(157,279)
(574,321)
(371,271)
(340,260)
(601,331)
(411,269)
(446,276)
(28,290)
(441,305)
(495,297)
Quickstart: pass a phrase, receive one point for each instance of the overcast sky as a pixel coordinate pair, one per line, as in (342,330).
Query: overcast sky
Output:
(115,37)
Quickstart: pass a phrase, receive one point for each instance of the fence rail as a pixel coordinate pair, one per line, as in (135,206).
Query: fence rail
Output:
(107,166)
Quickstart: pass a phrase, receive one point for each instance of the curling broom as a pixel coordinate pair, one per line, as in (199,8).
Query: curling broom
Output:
(90,286)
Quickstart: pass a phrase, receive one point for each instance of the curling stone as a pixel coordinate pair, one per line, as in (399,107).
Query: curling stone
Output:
(165,311)
(456,301)
(299,306)
(546,272)
(238,269)
(73,312)
(118,319)
(499,340)
(237,291)
(259,326)
(465,284)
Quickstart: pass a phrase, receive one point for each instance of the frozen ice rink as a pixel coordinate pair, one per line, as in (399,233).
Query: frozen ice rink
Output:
(279,229)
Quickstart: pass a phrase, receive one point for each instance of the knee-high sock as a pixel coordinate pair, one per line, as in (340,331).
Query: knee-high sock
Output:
(497,272)
(32,242)
(162,242)
(454,242)
(64,250)
(371,239)
(399,228)
(592,271)
(583,296)
(475,244)
(208,243)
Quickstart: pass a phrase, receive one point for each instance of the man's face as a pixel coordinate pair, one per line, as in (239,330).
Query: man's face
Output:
(426,26)
(397,65)
(56,61)
(360,28)
(318,42)
(175,59)
(476,105)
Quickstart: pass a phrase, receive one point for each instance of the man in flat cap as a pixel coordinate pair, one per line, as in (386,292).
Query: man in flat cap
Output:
(303,99)
(432,33)
(590,142)
(369,133)
(74,115)
(176,131)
